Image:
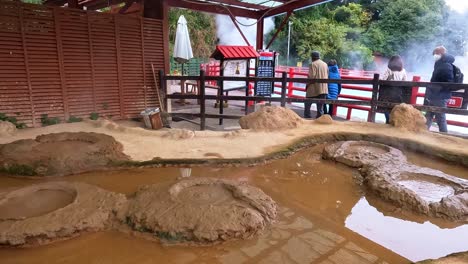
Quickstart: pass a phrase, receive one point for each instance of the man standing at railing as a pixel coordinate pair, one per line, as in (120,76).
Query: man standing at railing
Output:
(443,72)
(318,69)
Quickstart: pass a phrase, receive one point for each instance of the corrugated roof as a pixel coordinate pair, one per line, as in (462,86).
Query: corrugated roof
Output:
(234,52)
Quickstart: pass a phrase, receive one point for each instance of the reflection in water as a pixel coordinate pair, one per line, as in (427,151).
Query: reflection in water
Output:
(316,199)
(415,241)
(185,172)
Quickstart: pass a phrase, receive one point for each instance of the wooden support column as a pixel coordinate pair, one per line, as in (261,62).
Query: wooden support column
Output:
(119,66)
(154,8)
(73,4)
(159,9)
(91,53)
(260,33)
(239,29)
(26,64)
(63,82)
(145,88)
(285,20)
(165,13)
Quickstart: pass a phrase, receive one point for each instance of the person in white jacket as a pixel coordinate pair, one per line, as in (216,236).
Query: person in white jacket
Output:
(392,94)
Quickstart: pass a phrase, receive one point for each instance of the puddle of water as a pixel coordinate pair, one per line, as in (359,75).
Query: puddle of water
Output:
(416,241)
(428,191)
(449,168)
(323,218)
(35,204)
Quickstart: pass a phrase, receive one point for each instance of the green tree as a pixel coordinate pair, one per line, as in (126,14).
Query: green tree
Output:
(402,23)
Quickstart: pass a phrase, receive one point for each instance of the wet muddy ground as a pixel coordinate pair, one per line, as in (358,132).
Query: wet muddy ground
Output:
(325,216)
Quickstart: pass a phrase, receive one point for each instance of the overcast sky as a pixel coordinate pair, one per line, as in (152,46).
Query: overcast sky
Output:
(458,5)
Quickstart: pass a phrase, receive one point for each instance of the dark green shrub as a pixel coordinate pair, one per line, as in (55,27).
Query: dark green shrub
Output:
(13,120)
(94,116)
(46,121)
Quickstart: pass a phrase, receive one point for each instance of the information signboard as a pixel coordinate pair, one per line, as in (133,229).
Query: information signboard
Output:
(265,68)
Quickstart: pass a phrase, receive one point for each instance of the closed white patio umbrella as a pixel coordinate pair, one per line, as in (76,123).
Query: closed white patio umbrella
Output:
(182,48)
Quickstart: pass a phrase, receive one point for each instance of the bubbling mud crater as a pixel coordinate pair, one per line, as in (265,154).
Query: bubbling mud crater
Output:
(387,173)
(31,202)
(43,213)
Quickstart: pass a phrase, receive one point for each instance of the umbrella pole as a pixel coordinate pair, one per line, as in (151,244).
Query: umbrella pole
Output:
(182,86)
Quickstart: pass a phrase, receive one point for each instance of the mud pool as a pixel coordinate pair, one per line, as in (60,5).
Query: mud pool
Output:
(325,216)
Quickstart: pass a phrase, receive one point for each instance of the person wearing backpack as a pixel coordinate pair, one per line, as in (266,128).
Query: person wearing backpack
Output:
(392,94)
(444,72)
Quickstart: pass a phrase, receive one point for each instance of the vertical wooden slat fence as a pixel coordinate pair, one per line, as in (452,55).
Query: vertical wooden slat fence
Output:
(65,62)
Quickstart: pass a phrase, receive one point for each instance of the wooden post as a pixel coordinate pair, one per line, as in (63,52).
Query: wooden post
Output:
(465,99)
(26,63)
(260,26)
(375,92)
(162,84)
(91,52)
(283,89)
(119,66)
(63,81)
(220,91)
(202,100)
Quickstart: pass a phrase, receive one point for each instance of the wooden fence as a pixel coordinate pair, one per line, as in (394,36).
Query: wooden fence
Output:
(283,99)
(65,62)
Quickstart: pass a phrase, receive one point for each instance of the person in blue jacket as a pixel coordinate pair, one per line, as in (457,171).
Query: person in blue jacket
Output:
(443,73)
(334,89)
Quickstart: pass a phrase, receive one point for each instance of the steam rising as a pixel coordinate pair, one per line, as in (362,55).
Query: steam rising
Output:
(229,35)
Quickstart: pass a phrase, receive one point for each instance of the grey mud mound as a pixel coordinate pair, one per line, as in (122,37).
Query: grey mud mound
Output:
(357,154)
(60,154)
(271,118)
(408,118)
(42,213)
(202,211)
(324,120)
(7,128)
(387,173)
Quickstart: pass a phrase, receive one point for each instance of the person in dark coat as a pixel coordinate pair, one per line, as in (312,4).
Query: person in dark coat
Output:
(334,89)
(392,94)
(443,72)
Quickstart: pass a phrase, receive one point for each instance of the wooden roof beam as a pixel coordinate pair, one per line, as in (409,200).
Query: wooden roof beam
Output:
(214,8)
(291,6)
(241,4)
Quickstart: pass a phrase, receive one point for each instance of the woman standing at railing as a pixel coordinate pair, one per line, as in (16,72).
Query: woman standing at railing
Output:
(334,89)
(392,94)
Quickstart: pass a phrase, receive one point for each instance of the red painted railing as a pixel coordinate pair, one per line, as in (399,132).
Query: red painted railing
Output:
(295,72)
(213,69)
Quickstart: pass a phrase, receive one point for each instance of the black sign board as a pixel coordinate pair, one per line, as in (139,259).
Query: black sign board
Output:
(265,68)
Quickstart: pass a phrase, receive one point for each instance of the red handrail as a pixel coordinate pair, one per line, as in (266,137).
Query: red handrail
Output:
(302,72)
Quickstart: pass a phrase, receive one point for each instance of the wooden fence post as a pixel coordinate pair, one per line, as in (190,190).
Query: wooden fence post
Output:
(465,99)
(375,92)
(202,100)
(284,76)
(163,86)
